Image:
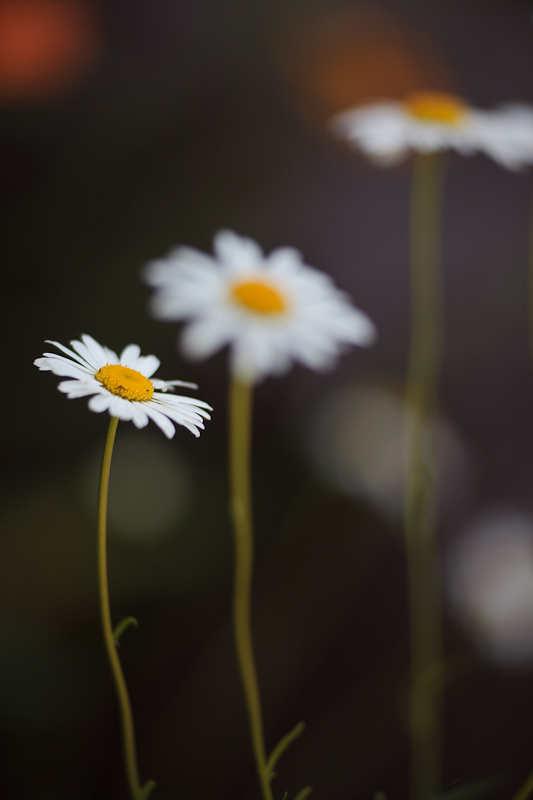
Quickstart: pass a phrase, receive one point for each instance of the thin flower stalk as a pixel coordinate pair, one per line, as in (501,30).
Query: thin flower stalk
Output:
(137,791)
(527,787)
(530,284)
(240,429)
(420,491)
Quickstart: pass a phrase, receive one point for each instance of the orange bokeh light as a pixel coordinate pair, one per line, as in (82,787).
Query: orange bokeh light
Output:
(46,46)
(345,58)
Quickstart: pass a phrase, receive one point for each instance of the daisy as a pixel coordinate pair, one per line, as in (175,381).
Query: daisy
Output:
(271,309)
(123,385)
(426,122)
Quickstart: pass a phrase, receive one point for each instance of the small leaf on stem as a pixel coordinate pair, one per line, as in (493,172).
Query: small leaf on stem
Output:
(282,745)
(122,626)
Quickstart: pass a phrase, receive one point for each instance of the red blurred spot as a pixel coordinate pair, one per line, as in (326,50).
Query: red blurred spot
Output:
(46,46)
(348,57)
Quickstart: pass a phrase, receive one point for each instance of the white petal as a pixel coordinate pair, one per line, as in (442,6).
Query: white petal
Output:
(506,135)
(161,420)
(69,353)
(97,351)
(363,330)
(165,269)
(380,130)
(65,368)
(130,356)
(188,290)
(140,417)
(121,408)
(180,400)
(204,337)
(110,356)
(43,364)
(100,402)
(147,365)
(236,251)
(82,349)
(188,421)
(177,407)
(252,356)
(284,260)
(168,386)
(75,389)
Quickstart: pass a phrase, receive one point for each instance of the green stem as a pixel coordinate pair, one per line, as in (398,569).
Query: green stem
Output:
(525,790)
(128,734)
(240,428)
(530,283)
(527,787)
(420,494)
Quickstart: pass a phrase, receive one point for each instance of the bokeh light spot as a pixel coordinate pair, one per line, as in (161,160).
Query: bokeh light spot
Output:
(46,46)
(149,489)
(348,57)
(356,439)
(490,584)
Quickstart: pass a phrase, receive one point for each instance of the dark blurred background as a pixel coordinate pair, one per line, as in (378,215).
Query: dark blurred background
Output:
(127,128)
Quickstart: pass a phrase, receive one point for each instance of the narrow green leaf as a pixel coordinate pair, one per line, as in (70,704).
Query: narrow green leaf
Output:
(303,793)
(146,790)
(122,626)
(471,791)
(282,745)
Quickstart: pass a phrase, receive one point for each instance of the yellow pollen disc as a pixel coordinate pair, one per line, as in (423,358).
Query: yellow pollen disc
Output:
(259,297)
(125,382)
(436,107)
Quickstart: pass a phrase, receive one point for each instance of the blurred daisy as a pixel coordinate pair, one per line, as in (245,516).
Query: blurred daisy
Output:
(426,122)
(271,309)
(122,385)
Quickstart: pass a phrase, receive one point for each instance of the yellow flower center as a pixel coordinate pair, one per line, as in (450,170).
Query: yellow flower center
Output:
(436,107)
(125,382)
(259,297)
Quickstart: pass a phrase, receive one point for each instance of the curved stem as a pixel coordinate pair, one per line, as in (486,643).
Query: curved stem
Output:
(128,734)
(420,490)
(525,790)
(240,427)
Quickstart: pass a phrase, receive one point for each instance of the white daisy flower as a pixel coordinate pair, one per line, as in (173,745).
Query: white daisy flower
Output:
(122,385)
(426,122)
(271,309)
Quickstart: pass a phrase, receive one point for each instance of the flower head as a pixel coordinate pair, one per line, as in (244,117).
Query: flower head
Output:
(123,386)
(429,121)
(271,309)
